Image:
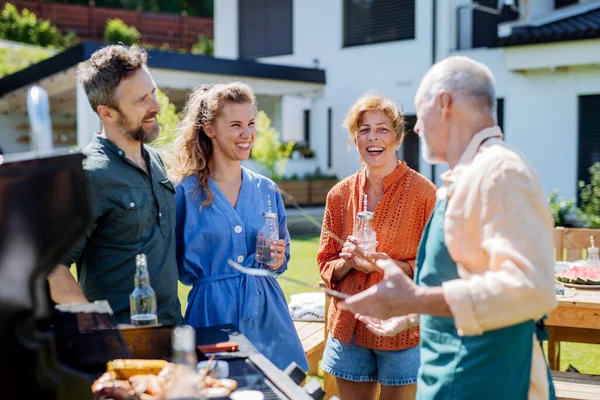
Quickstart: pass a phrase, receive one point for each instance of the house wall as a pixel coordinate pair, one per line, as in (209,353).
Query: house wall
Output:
(393,68)
(540,104)
(13,132)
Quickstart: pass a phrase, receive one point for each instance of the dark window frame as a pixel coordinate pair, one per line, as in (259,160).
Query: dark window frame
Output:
(411,151)
(484,26)
(558,4)
(402,6)
(329,137)
(306,117)
(282,25)
(588,123)
(500,113)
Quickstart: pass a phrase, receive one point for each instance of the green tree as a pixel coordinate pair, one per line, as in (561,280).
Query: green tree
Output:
(168,118)
(589,207)
(117,31)
(268,150)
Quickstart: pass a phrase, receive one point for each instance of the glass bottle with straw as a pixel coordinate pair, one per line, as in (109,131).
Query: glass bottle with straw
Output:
(268,232)
(364,229)
(592,255)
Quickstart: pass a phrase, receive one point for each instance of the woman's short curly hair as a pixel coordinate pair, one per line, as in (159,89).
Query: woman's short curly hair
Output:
(374,102)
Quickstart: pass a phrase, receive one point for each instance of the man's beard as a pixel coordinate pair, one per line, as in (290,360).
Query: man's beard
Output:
(138,132)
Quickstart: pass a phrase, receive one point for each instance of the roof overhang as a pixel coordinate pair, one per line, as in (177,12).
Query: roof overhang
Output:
(170,70)
(553,56)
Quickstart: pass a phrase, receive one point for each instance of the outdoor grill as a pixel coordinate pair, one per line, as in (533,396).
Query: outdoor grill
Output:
(59,351)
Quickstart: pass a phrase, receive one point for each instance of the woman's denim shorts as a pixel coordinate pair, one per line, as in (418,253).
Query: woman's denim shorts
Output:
(360,364)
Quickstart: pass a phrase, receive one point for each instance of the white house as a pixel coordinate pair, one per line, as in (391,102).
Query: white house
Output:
(73,121)
(545,55)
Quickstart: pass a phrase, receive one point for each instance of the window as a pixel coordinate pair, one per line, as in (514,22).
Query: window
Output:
(589,135)
(484,32)
(411,144)
(307,128)
(265,28)
(378,21)
(564,3)
(500,114)
(329,138)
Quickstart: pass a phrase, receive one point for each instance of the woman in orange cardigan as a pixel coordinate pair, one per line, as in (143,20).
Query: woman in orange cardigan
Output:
(401,201)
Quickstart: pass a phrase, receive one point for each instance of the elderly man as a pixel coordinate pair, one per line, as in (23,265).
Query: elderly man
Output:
(485,265)
(133,203)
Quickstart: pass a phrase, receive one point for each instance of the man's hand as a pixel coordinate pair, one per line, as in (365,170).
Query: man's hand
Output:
(402,264)
(394,296)
(348,254)
(389,327)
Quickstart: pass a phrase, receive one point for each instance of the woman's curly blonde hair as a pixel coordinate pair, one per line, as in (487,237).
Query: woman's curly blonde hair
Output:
(193,149)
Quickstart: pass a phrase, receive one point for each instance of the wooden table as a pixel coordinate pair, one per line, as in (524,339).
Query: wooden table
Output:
(312,337)
(575,319)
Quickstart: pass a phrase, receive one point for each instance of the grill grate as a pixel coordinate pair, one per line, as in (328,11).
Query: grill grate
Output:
(250,378)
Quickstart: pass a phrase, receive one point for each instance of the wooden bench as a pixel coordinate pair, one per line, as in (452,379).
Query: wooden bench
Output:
(576,386)
(312,337)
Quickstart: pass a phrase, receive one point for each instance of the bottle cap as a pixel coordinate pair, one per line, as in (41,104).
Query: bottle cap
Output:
(184,338)
(593,248)
(366,215)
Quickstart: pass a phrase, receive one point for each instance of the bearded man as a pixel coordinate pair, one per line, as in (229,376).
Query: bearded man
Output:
(133,206)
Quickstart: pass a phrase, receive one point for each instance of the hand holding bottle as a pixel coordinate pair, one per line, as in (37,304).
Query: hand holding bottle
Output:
(347,254)
(277,254)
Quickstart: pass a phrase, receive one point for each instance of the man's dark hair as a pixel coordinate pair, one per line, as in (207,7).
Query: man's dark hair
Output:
(106,68)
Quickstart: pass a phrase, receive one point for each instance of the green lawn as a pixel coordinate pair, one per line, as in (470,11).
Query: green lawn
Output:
(303,265)
(13,59)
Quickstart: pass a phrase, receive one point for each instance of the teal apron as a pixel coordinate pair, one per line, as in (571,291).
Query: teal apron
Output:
(494,365)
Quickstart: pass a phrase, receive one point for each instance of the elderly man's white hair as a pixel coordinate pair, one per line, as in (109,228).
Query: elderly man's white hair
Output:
(464,78)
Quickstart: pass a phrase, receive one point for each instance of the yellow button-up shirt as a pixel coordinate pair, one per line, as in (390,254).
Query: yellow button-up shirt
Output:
(499,231)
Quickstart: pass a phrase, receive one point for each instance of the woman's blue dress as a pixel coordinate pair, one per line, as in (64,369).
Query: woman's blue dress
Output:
(207,237)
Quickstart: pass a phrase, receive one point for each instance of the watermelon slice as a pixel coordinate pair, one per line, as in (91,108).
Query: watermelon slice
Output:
(560,275)
(580,277)
(570,276)
(579,274)
(593,276)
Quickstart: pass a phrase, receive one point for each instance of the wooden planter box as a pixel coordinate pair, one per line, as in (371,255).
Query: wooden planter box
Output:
(319,189)
(299,191)
(306,192)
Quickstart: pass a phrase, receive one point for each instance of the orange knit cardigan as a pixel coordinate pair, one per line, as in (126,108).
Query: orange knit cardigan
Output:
(399,220)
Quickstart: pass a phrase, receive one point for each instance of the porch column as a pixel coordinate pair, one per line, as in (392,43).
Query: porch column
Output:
(88,122)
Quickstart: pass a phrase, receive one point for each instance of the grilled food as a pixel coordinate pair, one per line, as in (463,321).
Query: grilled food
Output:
(126,368)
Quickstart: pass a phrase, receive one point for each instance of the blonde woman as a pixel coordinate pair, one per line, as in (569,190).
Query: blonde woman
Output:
(219,207)
(401,200)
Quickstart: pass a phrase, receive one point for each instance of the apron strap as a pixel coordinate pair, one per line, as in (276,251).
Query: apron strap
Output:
(540,329)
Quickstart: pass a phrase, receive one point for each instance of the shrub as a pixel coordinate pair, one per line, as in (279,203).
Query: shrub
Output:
(267,150)
(589,207)
(117,31)
(560,208)
(204,46)
(25,27)
(168,118)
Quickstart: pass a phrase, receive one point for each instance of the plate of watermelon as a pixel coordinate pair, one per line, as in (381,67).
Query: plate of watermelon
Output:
(580,276)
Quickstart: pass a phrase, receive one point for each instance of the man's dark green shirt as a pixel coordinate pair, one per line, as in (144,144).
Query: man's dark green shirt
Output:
(133,212)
